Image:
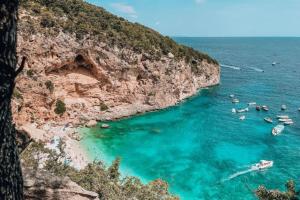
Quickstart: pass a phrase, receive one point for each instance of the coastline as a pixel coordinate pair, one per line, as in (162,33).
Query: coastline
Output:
(72,134)
(131,110)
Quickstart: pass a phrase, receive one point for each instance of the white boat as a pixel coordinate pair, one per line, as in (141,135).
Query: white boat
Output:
(263,164)
(299,109)
(235,101)
(277,130)
(243,117)
(233,110)
(274,63)
(265,108)
(268,119)
(252,104)
(283,107)
(231,96)
(243,110)
(105,126)
(288,123)
(283,117)
(284,120)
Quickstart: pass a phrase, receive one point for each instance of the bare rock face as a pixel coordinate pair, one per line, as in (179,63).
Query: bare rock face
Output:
(99,82)
(33,133)
(42,185)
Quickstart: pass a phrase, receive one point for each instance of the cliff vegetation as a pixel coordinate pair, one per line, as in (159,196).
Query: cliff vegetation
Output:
(84,20)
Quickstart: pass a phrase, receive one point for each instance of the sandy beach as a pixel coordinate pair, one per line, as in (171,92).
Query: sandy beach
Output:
(50,134)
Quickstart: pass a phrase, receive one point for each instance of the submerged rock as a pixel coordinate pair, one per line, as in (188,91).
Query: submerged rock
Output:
(91,123)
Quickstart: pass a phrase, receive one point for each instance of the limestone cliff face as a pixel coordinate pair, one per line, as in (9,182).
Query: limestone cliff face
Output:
(97,80)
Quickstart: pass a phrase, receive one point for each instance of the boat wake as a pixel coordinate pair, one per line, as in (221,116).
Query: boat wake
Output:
(231,67)
(263,164)
(239,68)
(256,69)
(239,174)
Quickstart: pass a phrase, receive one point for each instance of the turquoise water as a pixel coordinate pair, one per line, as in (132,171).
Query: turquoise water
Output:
(198,144)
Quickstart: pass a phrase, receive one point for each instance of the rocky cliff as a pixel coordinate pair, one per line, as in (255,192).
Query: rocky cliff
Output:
(96,75)
(42,185)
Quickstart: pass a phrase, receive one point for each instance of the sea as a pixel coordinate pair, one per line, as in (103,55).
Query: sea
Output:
(201,148)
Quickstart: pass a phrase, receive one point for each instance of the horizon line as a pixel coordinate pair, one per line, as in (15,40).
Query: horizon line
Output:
(178,36)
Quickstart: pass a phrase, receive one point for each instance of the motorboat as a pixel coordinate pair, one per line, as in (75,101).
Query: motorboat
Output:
(231,96)
(105,126)
(284,120)
(274,63)
(233,110)
(265,108)
(263,164)
(243,110)
(277,129)
(288,123)
(235,101)
(258,108)
(283,107)
(252,104)
(268,119)
(283,117)
(243,117)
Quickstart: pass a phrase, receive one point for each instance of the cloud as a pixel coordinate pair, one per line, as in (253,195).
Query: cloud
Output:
(199,1)
(124,8)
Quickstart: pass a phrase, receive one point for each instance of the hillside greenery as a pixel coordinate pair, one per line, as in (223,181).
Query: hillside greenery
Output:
(60,107)
(95,177)
(290,194)
(86,20)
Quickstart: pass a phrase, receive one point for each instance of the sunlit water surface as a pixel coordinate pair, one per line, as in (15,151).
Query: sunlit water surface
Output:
(197,145)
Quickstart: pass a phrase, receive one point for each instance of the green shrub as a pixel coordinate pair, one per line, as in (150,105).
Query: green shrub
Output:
(30,73)
(103,106)
(47,23)
(113,170)
(17,94)
(47,20)
(151,94)
(60,108)
(49,86)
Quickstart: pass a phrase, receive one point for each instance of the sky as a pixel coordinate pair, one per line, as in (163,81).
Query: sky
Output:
(211,18)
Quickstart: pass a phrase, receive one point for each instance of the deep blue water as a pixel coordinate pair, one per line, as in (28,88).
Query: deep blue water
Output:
(198,144)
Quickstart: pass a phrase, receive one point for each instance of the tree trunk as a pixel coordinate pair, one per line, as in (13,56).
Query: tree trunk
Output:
(11,183)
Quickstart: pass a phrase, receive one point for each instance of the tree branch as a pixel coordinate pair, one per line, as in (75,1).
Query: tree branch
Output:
(20,69)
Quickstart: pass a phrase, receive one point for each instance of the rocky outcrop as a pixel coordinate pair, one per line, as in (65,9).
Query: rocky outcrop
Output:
(98,87)
(33,133)
(43,185)
(96,80)
(91,123)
